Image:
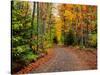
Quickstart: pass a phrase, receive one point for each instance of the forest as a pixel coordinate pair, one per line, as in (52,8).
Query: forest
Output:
(39,26)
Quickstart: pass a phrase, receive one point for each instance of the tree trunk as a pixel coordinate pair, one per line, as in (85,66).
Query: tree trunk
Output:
(32,23)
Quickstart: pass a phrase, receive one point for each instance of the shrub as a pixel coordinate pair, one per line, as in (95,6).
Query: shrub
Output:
(93,40)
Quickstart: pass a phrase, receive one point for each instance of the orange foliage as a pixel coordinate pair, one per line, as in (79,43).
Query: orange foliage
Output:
(84,8)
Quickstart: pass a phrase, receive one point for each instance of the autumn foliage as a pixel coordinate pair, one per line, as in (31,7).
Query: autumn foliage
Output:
(37,26)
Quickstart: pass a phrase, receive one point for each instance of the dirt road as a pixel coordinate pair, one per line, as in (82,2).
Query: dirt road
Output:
(63,60)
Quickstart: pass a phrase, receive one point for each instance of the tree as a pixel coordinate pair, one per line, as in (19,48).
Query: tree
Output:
(22,53)
(32,24)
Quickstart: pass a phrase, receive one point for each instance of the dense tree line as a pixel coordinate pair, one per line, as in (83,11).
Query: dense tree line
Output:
(79,25)
(31,32)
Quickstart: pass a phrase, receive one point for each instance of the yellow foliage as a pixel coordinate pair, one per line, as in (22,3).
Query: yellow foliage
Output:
(58,28)
(68,14)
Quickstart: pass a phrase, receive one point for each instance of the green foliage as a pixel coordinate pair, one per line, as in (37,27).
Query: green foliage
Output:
(16,25)
(22,54)
(29,57)
(29,37)
(93,40)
